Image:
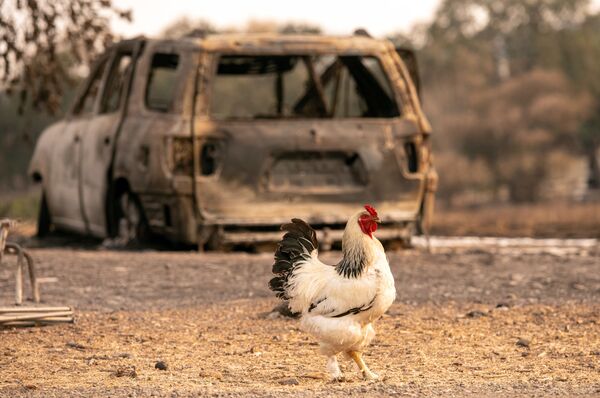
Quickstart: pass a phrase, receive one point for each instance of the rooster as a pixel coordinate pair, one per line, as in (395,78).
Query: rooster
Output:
(337,304)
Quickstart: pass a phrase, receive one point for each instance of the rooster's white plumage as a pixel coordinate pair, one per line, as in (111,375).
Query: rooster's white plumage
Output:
(337,304)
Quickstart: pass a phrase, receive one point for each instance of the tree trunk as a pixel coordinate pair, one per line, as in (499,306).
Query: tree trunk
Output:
(594,165)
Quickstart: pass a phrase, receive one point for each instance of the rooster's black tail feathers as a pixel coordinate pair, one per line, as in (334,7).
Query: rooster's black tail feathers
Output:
(297,244)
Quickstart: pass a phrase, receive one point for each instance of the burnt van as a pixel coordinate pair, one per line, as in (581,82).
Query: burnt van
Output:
(220,139)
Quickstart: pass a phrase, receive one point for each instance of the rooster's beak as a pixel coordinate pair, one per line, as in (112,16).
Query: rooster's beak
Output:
(377,220)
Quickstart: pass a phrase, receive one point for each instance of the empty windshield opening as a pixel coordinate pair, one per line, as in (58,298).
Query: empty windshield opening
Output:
(301,86)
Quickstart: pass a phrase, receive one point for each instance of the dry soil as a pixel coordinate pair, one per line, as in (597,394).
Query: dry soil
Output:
(466,322)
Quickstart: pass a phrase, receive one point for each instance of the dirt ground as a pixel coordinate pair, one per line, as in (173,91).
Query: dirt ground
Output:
(467,321)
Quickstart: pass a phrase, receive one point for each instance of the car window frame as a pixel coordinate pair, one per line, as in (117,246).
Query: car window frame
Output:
(213,66)
(180,70)
(101,62)
(115,54)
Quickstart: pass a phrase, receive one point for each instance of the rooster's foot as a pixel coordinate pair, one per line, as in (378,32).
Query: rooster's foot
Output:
(368,375)
(334,369)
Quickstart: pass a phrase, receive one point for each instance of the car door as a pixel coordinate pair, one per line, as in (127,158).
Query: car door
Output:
(62,188)
(98,139)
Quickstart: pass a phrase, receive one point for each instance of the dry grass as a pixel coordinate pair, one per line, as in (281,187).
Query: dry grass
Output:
(233,348)
(557,220)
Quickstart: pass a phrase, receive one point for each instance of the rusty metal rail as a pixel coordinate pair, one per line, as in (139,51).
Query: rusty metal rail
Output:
(22,258)
(26,316)
(33,316)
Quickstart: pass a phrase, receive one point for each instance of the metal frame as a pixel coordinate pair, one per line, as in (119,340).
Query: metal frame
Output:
(22,257)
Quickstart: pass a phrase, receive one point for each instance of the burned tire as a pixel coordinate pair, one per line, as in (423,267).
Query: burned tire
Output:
(132,227)
(44,221)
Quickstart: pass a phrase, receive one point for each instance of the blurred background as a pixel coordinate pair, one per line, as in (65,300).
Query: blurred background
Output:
(511,88)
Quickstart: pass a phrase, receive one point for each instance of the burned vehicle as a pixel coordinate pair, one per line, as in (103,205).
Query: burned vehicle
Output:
(221,139)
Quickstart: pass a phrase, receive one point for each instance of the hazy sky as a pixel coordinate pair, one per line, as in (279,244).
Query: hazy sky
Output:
(341,17)
(379,17)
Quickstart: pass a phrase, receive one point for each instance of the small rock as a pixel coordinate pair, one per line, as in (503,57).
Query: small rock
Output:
(525,354)
(75,345)
(578,286)
(161,365)
(124,355)
(291,381)
(537,286)
(516,279)
(523,343)
(253,350)
(315,375)
(126,372)
(210,374)
(475,314)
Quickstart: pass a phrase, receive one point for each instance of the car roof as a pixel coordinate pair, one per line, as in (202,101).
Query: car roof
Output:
(281,43)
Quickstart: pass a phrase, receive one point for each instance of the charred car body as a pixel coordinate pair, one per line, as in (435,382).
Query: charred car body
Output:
(222,139)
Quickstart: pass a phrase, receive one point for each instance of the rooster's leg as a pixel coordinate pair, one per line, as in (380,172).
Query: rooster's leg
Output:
(357,357)
(334,368)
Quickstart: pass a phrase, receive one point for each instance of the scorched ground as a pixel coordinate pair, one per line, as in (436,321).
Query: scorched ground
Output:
(452,331)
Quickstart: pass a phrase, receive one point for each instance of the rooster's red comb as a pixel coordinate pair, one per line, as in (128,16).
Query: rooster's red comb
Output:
(371,210)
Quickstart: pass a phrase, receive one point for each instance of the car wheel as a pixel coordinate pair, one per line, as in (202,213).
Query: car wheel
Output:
(44,222)
(133,228)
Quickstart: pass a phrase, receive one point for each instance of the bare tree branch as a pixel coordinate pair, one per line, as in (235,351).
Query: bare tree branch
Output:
(42,41)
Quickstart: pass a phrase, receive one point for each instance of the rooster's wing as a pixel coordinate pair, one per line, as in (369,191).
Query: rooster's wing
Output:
(309,285)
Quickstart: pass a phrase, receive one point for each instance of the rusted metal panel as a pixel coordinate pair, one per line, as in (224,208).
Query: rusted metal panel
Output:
(247,188)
